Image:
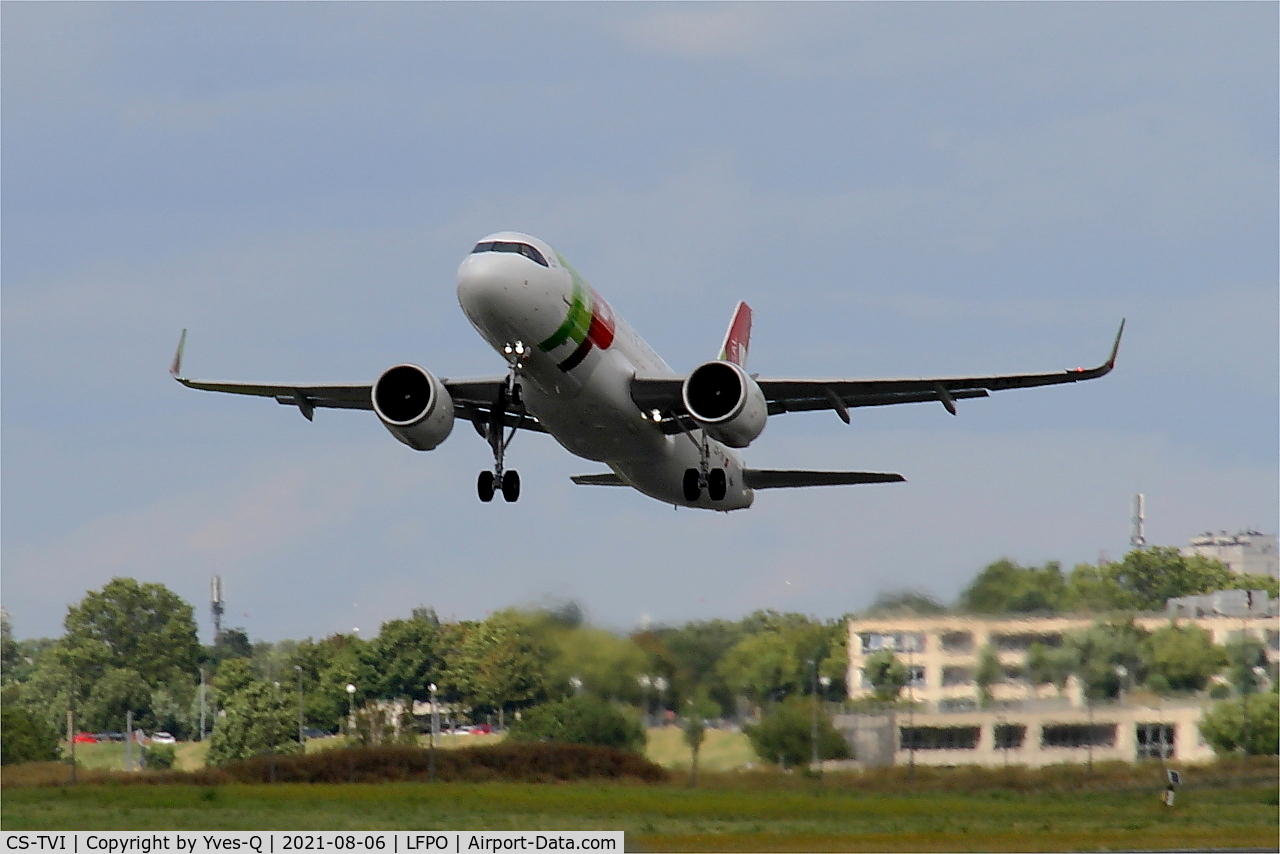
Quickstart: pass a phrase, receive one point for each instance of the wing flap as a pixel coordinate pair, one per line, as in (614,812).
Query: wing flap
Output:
(605,479)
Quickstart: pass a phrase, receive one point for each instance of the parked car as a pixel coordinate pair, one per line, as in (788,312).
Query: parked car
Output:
(163,738)
(85,738)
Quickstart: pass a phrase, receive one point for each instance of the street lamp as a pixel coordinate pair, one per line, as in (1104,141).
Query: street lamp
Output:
(435,730)
(351,698)
(1122,674)
(302,742)
(661,685)
(576,684)
(645,682)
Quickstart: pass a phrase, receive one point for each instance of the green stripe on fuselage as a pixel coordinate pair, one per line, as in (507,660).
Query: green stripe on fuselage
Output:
(577,323)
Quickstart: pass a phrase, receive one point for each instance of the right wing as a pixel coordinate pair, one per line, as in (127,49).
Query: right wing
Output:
(663,394)
(473,399)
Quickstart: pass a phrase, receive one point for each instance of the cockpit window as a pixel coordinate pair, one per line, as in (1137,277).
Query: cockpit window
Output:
(508,246)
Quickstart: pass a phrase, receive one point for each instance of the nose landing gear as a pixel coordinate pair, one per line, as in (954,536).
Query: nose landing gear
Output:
(510,395)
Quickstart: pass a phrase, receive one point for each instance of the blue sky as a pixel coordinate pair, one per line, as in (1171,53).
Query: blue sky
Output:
(898,189)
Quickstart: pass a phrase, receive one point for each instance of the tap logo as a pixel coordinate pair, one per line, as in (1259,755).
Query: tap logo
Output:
(590,322)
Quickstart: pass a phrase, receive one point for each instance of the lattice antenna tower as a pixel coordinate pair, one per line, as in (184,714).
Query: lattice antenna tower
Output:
(216,606)
(1138,538)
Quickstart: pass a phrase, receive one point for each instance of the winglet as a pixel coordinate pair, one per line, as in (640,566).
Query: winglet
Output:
(738,337)
(175,370)
(1115,348)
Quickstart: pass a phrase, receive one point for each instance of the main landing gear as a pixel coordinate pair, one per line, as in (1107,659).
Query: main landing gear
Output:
(703,477)
(714,482)
(510,396)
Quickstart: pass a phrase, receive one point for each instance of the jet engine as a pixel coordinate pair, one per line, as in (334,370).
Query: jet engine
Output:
(414,406)
(727,403)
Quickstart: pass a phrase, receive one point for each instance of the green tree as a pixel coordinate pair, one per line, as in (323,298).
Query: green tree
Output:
(887,675)
(905,602)
(403,659)
(695,650)
(502,664)
(258,718)
(698,708)
(1228,728)
(988,673)
(762,666)
(25,737)
(1098,653)
(146,628)
(1184,658)
(1004,587)
(1245,656)
(579,720)
(1147,577)
(117,692)
(785,735)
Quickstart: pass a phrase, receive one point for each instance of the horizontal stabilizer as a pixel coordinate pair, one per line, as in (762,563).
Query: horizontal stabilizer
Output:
(608,479)
(772,479)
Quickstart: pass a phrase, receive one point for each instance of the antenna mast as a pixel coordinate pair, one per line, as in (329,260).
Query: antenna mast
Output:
(216,606)
(1138,538)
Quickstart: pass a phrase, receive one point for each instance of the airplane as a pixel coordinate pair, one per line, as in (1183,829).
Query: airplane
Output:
(578,372)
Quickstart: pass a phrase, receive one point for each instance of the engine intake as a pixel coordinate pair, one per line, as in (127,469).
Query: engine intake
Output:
(727,403)
(414,406)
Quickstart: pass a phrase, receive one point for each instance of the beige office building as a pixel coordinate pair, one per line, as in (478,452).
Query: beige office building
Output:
(1027,724)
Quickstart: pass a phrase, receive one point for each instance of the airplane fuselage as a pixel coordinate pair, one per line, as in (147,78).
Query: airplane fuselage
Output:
(578,362)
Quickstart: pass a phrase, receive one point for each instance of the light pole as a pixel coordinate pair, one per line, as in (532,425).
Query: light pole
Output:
(813,722)
(661,685)
(302,742)
(645,682)
(1122,673)
(351,699)
(576,684)
(435,728)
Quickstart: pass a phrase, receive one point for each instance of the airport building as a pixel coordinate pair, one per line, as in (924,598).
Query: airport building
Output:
(1245,552)
(1028,724)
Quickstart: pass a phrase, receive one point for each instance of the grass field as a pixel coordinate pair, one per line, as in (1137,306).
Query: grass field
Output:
(769,812)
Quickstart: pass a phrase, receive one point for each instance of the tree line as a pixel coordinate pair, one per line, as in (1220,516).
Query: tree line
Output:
(133,647)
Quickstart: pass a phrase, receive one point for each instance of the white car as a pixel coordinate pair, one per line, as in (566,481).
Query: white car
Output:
(163,738)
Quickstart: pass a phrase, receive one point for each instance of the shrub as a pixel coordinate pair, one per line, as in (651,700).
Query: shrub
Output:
(161,756)
(786,736)
(24,738)
(579,720)
(1225,725)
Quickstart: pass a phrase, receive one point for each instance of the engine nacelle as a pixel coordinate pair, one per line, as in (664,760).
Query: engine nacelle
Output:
(414,406)
(727,403)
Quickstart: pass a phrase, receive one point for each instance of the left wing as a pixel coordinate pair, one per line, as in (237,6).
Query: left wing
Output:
(800,395)
(473,399)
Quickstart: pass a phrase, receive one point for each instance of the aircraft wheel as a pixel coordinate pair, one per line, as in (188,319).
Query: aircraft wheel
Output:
(510,485)
(484,486)
(691,489)
(717,485)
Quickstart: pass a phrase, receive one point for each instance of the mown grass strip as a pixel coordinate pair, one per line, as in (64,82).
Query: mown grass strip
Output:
(670,818)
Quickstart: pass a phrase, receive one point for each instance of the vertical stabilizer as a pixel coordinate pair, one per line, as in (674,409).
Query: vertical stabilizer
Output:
(738,337)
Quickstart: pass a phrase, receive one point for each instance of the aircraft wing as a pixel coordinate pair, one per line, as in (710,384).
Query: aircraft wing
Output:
(473,399)
(799,395)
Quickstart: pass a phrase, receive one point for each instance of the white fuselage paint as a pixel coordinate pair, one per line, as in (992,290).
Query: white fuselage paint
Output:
(587,408)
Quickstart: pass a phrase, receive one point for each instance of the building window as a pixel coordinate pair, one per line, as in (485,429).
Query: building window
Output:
(1010,736)
(939,737)
(1156,741)
(1078,735)
(958,704)
(957,641)
(1019,641)
(898,641)
(957,676)
(915,677)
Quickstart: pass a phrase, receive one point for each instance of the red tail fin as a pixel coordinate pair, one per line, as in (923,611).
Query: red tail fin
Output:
(738,337)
